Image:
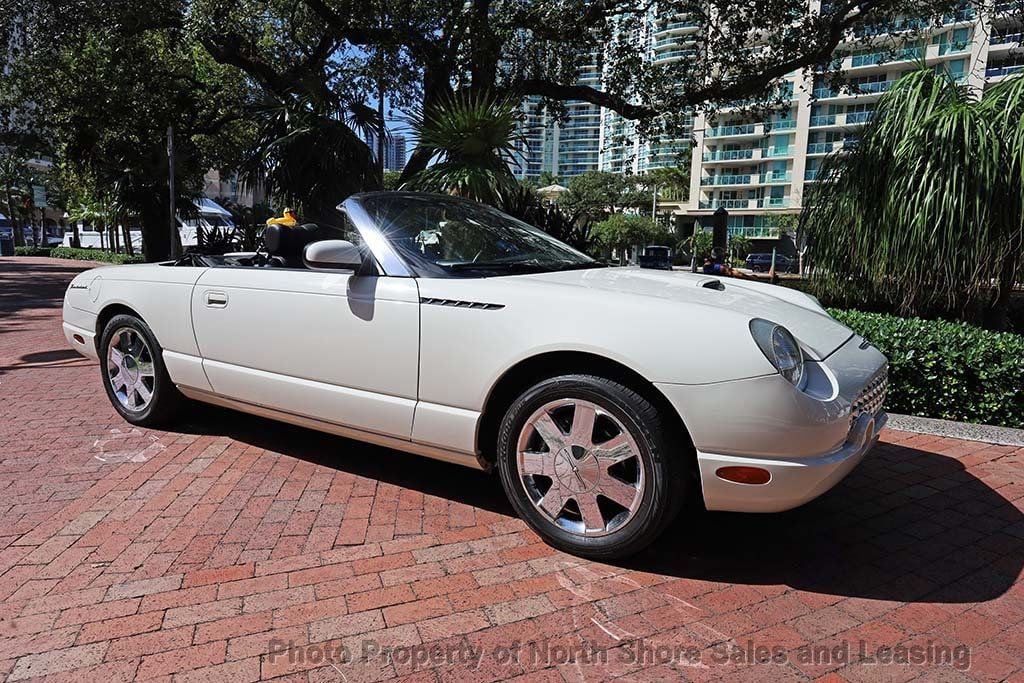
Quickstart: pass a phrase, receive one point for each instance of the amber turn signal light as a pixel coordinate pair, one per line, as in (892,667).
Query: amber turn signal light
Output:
(744,475)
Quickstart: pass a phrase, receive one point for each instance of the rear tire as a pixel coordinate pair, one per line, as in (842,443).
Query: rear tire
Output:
(590,465)
(134,376)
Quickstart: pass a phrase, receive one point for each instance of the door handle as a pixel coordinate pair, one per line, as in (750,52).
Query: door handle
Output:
(216,299)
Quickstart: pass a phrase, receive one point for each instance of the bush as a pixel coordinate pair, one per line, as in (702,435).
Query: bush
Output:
(94,255)
(947,370)
(32,251)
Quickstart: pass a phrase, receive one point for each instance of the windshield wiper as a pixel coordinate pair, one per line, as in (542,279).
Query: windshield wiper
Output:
(510,266)
(581,266)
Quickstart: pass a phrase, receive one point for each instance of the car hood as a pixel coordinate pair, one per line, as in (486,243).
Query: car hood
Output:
(817,332)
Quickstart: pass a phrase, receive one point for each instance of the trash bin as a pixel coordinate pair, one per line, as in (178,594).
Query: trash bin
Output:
(6,244)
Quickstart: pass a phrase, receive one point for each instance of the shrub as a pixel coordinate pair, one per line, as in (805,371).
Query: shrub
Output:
(952,371)
(94,255)
(32,251)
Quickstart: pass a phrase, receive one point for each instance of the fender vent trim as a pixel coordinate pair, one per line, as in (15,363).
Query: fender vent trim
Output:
(455,303)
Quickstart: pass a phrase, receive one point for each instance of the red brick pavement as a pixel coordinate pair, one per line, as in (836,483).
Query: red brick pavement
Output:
(203,554)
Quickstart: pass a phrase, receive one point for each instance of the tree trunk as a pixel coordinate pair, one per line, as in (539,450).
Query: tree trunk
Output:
(436,84)
(126,234)
(998,317)
(19,233)
(156,236)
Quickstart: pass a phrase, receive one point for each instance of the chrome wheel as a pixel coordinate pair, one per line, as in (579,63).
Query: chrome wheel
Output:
(580,467)
(130,369)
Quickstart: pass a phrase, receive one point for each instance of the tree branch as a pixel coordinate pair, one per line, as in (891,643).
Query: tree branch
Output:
(736,89)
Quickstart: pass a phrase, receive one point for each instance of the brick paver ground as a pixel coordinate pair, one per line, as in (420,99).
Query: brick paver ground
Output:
(239,549)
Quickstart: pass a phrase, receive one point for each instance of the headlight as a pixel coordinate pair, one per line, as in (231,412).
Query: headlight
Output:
(780,348)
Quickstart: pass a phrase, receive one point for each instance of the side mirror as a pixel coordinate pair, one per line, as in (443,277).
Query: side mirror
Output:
(338,255)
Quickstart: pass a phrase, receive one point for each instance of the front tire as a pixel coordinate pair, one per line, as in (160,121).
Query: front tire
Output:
(134,376)
(589,465)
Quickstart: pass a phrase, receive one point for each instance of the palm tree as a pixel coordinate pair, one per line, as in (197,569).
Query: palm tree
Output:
(309,154)
(473,139)
(925,211)
(674,181)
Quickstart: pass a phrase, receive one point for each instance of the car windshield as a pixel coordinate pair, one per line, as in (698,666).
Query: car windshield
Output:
(451,237)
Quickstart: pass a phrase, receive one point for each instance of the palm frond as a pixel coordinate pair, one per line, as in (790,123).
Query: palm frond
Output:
(925,211)
(473,138)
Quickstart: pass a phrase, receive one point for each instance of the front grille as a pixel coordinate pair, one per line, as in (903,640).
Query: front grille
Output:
(872,396)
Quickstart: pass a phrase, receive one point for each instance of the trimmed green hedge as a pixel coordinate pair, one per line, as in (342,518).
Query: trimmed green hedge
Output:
(32,251)
(94,255)
(947,370)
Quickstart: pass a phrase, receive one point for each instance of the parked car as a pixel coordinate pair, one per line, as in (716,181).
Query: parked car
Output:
(762,263)
(656,258)
(605,398)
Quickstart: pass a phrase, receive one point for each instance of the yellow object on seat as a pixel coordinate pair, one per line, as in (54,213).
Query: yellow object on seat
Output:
(288,220)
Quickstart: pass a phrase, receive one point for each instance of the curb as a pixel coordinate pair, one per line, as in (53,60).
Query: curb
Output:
(1004,436)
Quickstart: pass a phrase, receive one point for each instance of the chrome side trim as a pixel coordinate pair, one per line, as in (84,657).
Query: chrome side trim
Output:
(434,452)
(456,303)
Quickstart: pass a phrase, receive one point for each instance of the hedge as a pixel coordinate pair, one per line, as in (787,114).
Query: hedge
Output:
(32,251)
(94,255)
(947,370)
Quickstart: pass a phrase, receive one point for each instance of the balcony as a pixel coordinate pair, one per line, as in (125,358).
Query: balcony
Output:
(1005,38)
(885,57)
(755,232)
(775,152)
(855,117)
(783,124)
(673,54)
(961,15)
(874,86)
(725,180)
(823,120)
(996,71)
(729,155)
(821,147)
(773,203)
(725,204)
(723,131)
(688,23)
(774,177)
(810,174)
(894,27)
(950,48)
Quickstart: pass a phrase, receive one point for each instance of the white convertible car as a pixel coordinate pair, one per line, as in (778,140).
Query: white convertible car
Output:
(604,397)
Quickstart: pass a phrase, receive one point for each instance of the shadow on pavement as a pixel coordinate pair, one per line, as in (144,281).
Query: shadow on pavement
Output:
(33,285)
(907,525)
(431,477)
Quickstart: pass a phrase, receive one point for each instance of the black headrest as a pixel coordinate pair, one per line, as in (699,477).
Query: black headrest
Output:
(279,240)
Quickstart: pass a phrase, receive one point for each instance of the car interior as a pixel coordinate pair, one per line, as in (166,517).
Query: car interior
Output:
(283,247)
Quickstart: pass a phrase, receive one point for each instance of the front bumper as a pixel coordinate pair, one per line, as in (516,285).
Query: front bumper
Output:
(794,481)
(807,439)
(80,329)
(82,340)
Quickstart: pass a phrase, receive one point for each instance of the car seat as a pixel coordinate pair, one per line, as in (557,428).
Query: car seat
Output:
(285,245)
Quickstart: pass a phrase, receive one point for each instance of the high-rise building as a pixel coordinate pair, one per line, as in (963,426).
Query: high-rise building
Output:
(563,148)
(394,150)
(761,171)
(394,153)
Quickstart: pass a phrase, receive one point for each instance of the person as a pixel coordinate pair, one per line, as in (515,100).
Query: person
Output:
(289,220)
(714,266)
